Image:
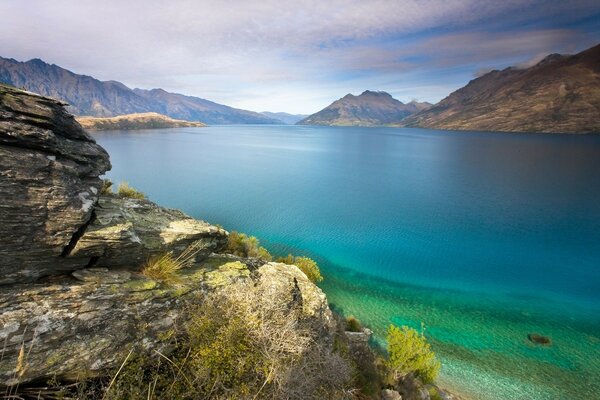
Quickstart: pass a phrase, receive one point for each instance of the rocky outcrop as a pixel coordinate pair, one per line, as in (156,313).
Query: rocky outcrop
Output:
(81,325)
(49,184)
(53,219)
(73,299)
(125,233)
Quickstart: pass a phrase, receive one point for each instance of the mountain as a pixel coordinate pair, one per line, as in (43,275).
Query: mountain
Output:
(368,109)
(135,121)
(89,96)
(558,94)
(285,118)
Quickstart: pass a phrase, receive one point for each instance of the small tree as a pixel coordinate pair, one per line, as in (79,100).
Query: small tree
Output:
(409,352)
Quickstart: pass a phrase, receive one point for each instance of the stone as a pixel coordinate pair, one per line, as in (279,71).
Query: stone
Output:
(72,328)
(49,184)
(388,394)
(125,233)
(358,338)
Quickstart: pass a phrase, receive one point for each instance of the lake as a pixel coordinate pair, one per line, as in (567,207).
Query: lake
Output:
(483,237)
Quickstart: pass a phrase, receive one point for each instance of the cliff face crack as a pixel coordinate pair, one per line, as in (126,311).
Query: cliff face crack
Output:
(77,235)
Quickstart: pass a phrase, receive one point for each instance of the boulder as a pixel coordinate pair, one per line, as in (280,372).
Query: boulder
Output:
(81,325)
(49,184)
(124,233)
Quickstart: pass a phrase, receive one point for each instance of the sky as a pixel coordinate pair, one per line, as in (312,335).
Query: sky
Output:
(295,56)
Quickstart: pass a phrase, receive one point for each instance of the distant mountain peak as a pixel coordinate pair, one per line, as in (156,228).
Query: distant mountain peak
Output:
(370,108)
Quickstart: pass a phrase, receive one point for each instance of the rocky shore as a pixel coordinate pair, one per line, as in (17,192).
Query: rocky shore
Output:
(75,302)
(71,293)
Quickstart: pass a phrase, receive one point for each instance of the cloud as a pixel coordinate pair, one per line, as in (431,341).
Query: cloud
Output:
(216,49)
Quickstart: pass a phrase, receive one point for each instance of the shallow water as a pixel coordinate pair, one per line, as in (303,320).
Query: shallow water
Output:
(484,237)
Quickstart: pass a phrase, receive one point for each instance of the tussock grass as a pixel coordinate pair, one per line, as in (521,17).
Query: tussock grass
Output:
(125,190)
(165,267)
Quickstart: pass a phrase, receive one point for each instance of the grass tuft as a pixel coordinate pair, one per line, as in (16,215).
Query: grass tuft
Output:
(165,267)
(125,190)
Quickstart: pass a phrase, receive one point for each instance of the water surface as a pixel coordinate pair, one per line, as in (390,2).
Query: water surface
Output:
(484,237)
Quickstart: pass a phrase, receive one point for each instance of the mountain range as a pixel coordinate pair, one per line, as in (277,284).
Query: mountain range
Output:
(561,93)
(88,96)
(370,108)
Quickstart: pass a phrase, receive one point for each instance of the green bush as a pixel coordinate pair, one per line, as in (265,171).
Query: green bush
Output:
(409,352)
(242,245)
(306,265)
(125,190)
(353,324)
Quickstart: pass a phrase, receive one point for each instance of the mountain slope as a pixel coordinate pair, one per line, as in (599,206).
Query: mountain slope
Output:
(135,121)
(559,94)
(89,96)
(289,119)
(368,109)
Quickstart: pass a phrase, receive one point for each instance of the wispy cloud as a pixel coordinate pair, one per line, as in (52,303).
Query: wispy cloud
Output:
(236,51)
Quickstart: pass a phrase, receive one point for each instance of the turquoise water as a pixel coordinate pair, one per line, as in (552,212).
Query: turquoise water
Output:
(484,237)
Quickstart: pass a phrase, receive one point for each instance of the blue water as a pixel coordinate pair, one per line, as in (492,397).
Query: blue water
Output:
(484,237)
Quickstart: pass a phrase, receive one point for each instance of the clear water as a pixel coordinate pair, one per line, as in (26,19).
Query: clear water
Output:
(484,237)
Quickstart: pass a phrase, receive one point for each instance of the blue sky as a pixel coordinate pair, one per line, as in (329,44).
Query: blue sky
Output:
(295,56)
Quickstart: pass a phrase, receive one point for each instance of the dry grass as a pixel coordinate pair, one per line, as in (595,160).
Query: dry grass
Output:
(165,267)
(125,190)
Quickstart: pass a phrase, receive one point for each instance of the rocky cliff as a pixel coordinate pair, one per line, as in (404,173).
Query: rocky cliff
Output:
(73,301)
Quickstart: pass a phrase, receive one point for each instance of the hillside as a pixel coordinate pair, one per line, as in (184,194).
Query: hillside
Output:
(559,94)
(135,121)
(368,109)
(288,119)
(89,96)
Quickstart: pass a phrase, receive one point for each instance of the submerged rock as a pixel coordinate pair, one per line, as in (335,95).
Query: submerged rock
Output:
(539,339)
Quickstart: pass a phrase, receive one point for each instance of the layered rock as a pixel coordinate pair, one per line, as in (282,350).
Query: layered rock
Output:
(127,232)
(49,184)
(82,325)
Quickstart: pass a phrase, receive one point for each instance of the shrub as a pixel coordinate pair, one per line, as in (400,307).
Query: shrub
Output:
(353,324)
(165,267)
(409,352)
(125,190)
(242,245)
(306,265)
(239,344)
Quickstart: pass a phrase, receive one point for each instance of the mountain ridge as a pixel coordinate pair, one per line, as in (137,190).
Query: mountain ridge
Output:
(89,96)
(559,94)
